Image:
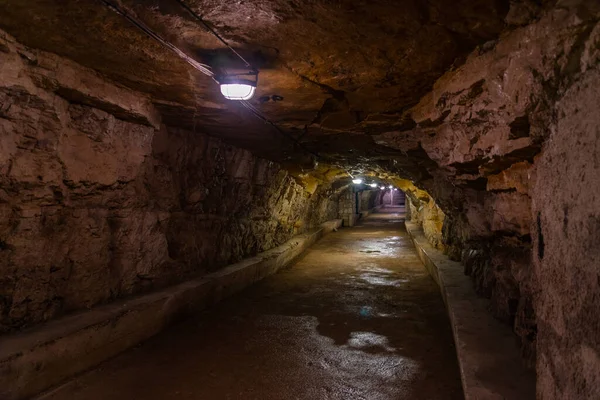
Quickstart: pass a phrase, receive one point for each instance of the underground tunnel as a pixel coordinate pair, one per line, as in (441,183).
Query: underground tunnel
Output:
(269,199)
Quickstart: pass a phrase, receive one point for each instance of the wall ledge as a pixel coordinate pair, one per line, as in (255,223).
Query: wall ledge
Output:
(37,359)
(490,365)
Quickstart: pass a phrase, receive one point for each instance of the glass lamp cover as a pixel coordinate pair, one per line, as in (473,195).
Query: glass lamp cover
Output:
(237,91)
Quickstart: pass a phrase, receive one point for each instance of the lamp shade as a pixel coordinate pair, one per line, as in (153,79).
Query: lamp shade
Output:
(237,91)
(234,87)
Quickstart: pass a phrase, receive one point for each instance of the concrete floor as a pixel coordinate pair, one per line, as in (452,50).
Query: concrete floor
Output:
(357,318)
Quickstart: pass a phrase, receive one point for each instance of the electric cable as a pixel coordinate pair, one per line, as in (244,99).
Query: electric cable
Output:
(263,118)
(246,105)
(215,33)
(205,69)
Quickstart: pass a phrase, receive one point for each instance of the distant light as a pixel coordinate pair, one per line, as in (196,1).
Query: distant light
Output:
(395,189)
(382,187)
(390,187)
(357,181)
(238,91)
(373,185)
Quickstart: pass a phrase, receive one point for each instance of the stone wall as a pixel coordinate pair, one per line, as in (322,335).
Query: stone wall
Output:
(369,199)
(510,140)
(566,240)
(99,200)
(430,217)
(347,207)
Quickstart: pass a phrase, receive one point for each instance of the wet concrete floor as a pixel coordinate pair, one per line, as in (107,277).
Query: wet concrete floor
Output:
(357,318)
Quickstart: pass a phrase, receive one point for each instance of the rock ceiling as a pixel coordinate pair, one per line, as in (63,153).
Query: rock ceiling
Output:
(346,69)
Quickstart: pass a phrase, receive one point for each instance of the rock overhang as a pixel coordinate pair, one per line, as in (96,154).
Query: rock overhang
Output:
(340,68)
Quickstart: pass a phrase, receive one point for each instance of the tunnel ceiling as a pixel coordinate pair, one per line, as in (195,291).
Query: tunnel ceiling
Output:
(346,69)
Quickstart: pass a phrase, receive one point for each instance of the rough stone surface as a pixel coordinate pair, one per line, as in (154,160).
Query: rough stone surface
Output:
(99,201)
(43,357)
(490,365)
(318,56)
(465,105)
(484,126)
(430,217)
(369,199)
(566,254)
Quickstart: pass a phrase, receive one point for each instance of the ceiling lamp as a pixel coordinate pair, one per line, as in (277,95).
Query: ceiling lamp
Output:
(373,185)
(233,87)
(382,187)
(390,187)
(357,181)
(237,91)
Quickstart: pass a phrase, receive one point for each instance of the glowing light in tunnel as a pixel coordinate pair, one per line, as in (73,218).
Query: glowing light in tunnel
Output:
(382,187)
(373,185)
(390,187)
(357,181)
(237,91)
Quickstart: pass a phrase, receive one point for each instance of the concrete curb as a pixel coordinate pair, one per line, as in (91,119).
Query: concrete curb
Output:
(36,360)
(490,364)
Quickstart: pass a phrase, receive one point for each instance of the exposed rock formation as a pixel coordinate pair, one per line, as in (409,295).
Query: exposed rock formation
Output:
(483,126)
(497,151)
(427,214)
(565,231)
(318,56)
(99,201)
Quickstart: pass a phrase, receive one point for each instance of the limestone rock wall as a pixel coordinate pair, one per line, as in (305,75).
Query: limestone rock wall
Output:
(369,199)
(98,200)
(421,209)
(510,143)
(430,217)
(347,206)
(566,235)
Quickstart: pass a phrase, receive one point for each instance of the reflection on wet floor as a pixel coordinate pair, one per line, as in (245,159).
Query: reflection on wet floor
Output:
(368,340)
(357,318)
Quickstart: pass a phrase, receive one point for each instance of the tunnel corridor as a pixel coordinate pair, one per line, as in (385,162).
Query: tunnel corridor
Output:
(358,317)
(279,199)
